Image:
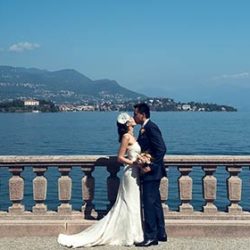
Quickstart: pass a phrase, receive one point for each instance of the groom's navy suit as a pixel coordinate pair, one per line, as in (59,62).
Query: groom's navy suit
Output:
(150,140)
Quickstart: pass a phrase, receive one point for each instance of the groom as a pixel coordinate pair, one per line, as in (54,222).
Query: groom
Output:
(150,140)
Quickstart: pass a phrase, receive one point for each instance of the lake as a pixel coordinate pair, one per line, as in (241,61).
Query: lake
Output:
(88,133)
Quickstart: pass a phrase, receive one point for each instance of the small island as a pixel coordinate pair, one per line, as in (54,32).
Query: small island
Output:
(156,104)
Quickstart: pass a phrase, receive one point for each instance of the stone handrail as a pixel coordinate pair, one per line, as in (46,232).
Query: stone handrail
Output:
(184,163)
(76,160)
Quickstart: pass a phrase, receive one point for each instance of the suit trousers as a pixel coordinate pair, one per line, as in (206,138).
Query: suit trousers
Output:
(154,225)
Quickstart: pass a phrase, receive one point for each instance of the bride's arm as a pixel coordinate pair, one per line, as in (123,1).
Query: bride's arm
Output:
(122,151)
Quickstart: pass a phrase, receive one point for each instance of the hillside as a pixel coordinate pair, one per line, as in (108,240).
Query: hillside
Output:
(61,86)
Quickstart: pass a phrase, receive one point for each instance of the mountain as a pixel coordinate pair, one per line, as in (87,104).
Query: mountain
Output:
(66,85)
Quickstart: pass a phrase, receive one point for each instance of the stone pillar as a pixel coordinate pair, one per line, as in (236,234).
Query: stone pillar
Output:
(64,190)
(16,190)
(164,193)
(113,182)
(185,189)
(234,185)
(39,190)
(209,189)
(88,189)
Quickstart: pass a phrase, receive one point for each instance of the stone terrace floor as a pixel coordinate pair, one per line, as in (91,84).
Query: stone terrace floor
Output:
(42,243)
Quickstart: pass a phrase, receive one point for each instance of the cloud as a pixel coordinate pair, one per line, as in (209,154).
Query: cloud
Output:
(22,46)
(242,75)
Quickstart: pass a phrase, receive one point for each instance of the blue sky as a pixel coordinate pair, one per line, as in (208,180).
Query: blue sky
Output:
(187,50)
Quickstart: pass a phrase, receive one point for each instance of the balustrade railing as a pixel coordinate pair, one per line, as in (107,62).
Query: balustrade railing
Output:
(184,164)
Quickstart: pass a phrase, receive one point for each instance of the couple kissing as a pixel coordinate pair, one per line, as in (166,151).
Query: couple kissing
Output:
(143,165)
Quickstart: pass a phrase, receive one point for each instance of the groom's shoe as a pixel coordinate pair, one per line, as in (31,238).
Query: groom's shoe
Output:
(146,243)
(163,238)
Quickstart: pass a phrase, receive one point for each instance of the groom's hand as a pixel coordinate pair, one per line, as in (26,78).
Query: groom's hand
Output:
(137,163)
(145,169)
(142,164)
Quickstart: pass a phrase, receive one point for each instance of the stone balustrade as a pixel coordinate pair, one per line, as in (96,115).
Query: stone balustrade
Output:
(186,220)
(184,164)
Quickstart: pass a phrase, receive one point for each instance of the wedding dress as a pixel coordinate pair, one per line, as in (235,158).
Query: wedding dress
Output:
(122,225)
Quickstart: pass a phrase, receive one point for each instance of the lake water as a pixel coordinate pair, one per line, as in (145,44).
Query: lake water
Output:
(88,133)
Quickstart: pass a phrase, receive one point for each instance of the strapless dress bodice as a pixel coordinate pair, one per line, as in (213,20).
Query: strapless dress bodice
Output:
(133,151)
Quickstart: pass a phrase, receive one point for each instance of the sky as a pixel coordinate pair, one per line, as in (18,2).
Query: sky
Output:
(187,50)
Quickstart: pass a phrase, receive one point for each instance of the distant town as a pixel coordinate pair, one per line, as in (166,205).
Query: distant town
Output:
(37,90)
(156,104)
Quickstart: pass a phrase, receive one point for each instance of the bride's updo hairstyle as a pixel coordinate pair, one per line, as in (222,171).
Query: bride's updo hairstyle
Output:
(122,127)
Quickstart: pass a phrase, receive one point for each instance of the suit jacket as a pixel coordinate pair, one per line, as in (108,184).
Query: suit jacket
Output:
(150,139)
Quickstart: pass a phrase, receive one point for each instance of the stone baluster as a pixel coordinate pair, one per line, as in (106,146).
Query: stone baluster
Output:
(234,186)
(113,182)
(209,189)
(88,189)
(64,190)
(164,192)
(16,190)
(185,189)
(39,190)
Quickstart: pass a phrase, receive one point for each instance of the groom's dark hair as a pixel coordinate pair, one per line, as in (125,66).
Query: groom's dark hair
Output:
(143,108)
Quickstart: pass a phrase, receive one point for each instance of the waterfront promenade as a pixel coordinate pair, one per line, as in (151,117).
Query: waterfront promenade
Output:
(187,228)
(50,243)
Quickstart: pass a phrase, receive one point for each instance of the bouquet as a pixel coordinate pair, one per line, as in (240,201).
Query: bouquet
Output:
(145,159)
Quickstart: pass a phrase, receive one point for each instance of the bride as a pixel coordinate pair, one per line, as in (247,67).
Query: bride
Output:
(122,225)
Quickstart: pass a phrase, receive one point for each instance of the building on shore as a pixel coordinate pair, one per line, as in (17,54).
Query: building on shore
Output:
(31,102)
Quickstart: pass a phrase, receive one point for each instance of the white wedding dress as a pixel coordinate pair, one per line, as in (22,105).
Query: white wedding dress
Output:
(122,225)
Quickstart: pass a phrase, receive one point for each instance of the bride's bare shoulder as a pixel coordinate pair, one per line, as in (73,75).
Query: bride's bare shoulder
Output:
(126,136)
(129,138)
